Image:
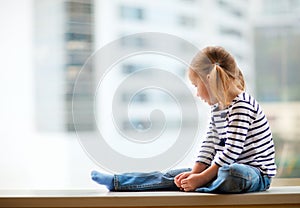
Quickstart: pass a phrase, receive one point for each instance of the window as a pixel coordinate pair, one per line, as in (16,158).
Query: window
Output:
(230,31)
(187,21)
(278,88)
(131,13)
(231,8)
(54,39)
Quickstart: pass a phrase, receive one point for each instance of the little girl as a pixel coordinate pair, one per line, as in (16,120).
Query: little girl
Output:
(237,155)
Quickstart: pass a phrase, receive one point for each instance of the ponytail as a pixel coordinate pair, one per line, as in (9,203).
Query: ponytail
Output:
(219,83)
(241,80)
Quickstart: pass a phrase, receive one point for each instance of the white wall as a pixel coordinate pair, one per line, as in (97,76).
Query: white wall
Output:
(28,159)
(16,88)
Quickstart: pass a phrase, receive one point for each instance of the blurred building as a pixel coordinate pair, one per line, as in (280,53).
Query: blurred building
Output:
(277,42)
(201,22)
(228,23)
(67,32)
(277,39)
(63,40)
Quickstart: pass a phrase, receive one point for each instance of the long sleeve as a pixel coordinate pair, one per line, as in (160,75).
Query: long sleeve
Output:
(207,150)
(240,117)
(240,134)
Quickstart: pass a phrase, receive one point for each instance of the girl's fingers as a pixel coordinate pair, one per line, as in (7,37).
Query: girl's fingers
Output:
(177,184)
(184,181)
(177,180)
(176,177)
(186,187)
(183,176)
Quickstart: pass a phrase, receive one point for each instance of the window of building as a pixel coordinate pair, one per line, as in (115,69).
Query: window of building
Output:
(131,13)
(230,31)
(231,8)
(55,38)
(277,84)
(187,21)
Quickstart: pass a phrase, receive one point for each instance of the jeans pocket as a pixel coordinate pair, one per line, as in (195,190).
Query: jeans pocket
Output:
(240,171)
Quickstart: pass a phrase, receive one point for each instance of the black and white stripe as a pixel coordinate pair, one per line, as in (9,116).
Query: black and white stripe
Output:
(239,134)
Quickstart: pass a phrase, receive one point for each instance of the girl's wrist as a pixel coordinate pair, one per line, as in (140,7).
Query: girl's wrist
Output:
(198,167)
(210,173)
(204,178)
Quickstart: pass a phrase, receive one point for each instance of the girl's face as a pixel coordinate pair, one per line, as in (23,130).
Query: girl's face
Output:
(202,90)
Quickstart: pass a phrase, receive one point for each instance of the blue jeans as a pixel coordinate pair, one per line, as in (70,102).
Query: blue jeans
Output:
(235,178)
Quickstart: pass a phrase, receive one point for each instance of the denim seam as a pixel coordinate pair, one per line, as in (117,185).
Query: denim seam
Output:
(151,186)
(128,187)
(116,182)
(243,176)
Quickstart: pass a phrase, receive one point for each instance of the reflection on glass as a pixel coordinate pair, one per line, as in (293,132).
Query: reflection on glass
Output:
(277,39)
(67,32)
(68,40)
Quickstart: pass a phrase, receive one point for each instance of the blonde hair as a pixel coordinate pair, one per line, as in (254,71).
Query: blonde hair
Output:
(220,65)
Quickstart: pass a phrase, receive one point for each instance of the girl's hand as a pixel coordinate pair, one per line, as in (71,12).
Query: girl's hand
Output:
(192,182)
(189,181)
(180,177)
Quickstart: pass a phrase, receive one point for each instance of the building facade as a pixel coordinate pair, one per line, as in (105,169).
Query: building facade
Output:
(78,28)
(276,41)
(201,22)
(64,39)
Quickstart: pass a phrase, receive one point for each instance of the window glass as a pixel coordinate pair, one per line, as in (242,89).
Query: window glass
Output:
(133,13)
(47,45)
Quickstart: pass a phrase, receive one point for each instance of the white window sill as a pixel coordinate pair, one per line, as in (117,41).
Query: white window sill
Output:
(281,194)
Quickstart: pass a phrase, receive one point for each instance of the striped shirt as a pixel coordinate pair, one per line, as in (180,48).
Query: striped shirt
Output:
(239,134)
